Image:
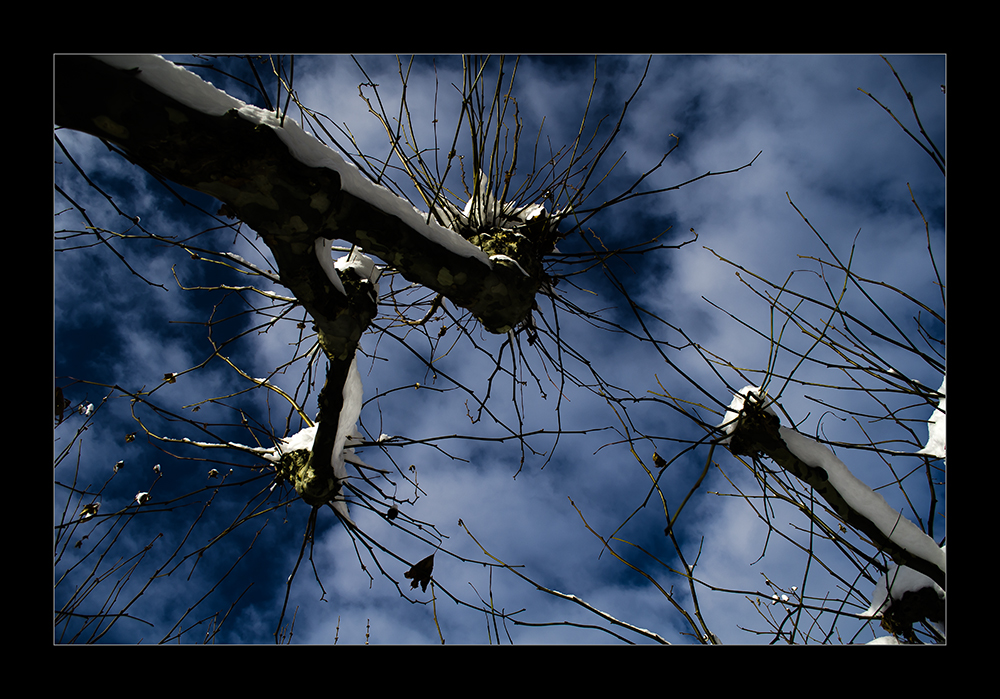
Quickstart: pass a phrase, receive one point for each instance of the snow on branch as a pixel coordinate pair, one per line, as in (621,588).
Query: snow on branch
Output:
(362,265)
(175,125)
(904,595)
(189,89)
(343,446)
(936,432)
(752,427)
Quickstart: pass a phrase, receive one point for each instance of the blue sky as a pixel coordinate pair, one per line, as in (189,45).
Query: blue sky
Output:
(823,144)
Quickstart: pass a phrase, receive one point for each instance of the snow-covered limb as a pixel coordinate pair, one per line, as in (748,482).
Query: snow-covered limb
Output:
(754,428)
(189,89)
(903,596)
(174,124)
(294,455)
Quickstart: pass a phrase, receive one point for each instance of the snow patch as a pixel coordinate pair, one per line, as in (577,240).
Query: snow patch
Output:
(362,266)
(484,210)
(324,253)
(936,432)
(357,262)
(511,260)
(303,439)
(731,421)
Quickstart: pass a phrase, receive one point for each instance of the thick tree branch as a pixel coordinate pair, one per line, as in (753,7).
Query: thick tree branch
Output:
(290,204)
(758,434)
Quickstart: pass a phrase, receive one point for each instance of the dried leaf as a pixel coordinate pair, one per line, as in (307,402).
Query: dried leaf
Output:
(421,573)
(61,403)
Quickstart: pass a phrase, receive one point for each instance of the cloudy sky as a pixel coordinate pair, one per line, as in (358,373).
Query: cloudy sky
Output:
(823,144)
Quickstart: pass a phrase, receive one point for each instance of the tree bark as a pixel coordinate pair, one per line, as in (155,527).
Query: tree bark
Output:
(290,204)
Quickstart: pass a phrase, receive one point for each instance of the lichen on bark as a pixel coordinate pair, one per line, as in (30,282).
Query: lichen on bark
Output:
(298,468)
